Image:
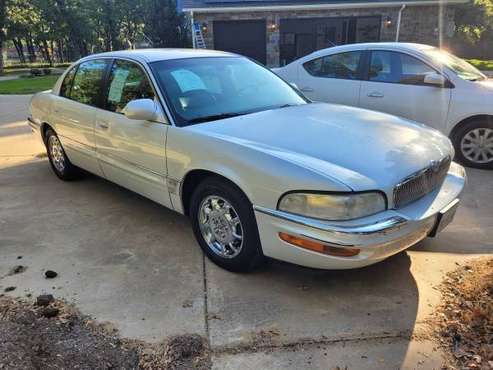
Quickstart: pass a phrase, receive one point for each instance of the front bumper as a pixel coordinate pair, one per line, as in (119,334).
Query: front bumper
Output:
(35,128)
(378,236)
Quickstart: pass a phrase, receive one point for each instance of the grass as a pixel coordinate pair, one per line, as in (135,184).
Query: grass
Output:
(27,85)
(482,65)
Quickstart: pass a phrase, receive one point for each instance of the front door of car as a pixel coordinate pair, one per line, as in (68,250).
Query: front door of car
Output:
(333,78)
(132,152)
(396,85)
(75,110)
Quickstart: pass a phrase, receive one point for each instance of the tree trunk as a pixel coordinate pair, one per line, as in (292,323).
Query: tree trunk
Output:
(20,50)
(1,55)
(47,53)
(31,50)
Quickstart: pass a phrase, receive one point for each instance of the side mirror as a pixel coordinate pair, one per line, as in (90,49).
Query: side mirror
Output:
(435,79)
(141,109)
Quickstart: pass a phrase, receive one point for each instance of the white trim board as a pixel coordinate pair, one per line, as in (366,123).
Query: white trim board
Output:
(263,8)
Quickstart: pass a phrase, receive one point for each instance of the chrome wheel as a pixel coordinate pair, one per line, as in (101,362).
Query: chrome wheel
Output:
(477,145)
(220,226)
(56,153)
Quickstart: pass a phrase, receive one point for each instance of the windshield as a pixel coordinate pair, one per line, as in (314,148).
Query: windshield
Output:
(206,89)
(463,69)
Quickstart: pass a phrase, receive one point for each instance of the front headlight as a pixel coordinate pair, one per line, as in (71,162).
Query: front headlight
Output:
(333,206)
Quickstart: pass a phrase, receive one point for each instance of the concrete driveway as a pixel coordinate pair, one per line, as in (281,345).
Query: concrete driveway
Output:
(124,259)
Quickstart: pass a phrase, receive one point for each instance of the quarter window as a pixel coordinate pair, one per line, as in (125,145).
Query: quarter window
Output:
(343,65)
(87,82)
(393,67)
(67,82)
(127,82)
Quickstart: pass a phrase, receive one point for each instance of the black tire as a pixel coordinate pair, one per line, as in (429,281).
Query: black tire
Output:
(250,254)
(459,135)
(69,172)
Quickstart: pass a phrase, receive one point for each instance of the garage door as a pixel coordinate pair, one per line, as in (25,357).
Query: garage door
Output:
(241,37)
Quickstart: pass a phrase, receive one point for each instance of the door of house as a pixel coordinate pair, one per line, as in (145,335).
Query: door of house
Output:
(246,37)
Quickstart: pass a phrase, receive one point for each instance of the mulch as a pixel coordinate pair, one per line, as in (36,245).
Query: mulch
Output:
(46,333)
(464,322)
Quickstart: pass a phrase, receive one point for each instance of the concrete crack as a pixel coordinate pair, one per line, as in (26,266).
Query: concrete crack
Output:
(253,347)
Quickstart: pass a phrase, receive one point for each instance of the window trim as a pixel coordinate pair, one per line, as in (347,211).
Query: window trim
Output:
(448,83)
(359,71)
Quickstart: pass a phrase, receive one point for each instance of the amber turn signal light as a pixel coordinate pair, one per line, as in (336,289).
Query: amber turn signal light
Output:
(318,247)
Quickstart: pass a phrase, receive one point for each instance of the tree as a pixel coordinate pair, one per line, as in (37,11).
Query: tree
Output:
(68,29)
(164,26)
(474,27)
(3,19)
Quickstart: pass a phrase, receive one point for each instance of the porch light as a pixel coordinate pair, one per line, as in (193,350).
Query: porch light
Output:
(204,27)
(272,27)
(387,22)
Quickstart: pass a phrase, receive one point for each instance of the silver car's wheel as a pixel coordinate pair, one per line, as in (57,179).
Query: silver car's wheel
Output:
(477,145)
(56,153)
(220,226)
(224,224)
(59,161)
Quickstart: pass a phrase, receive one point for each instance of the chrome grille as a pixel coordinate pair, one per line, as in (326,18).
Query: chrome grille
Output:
(421,183)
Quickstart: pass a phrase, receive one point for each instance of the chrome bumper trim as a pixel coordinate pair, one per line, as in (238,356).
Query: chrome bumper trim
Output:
(382,227)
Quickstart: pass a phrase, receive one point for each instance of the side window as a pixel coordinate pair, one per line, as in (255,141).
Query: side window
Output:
(383,67)
(413,70)
(87,82)
(393,67)
(127,82)
(67,82)
(343,65)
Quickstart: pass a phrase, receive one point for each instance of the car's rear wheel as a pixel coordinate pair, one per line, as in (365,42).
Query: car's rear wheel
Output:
(473,143)
(224,225)
(59,161)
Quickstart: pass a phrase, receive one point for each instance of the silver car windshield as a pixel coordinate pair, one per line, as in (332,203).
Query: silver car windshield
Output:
(461,68)
(207,89)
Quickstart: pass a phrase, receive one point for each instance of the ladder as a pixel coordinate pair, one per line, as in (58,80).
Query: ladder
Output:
(198,38)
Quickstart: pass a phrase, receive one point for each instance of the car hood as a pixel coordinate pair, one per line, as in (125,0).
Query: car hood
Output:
(363,149)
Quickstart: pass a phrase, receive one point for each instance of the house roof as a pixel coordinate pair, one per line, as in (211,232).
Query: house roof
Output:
(225,5)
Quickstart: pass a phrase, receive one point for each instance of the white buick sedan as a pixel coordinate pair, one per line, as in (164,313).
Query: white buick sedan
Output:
(259,170)
(417,82)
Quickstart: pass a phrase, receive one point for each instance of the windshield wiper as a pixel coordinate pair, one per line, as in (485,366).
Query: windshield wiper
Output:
(214,117)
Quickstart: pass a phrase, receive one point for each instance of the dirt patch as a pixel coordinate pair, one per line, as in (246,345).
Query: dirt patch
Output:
(55,335)
(464,323)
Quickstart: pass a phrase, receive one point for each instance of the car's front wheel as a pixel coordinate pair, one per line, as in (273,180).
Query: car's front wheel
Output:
(224,225)
(473,143)
(59,161)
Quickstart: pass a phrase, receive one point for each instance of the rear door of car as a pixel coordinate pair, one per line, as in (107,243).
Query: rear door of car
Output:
(334,78)
(75,109)
(131,152)
(395,84)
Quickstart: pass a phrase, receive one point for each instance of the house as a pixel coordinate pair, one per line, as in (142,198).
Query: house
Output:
(275,32)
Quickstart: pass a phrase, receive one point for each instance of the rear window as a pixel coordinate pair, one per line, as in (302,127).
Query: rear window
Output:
(86,87)
(343,65)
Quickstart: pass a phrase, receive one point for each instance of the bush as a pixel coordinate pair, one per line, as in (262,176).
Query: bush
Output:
(47,71)
(35,72)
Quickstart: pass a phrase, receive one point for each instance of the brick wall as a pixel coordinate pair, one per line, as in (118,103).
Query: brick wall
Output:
(419,24)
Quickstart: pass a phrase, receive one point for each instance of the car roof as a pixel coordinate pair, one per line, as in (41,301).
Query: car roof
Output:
(153,55)
(377,45)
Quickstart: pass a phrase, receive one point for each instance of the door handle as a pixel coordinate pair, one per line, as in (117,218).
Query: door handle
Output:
(103,125)
(306,89)
(375,94)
